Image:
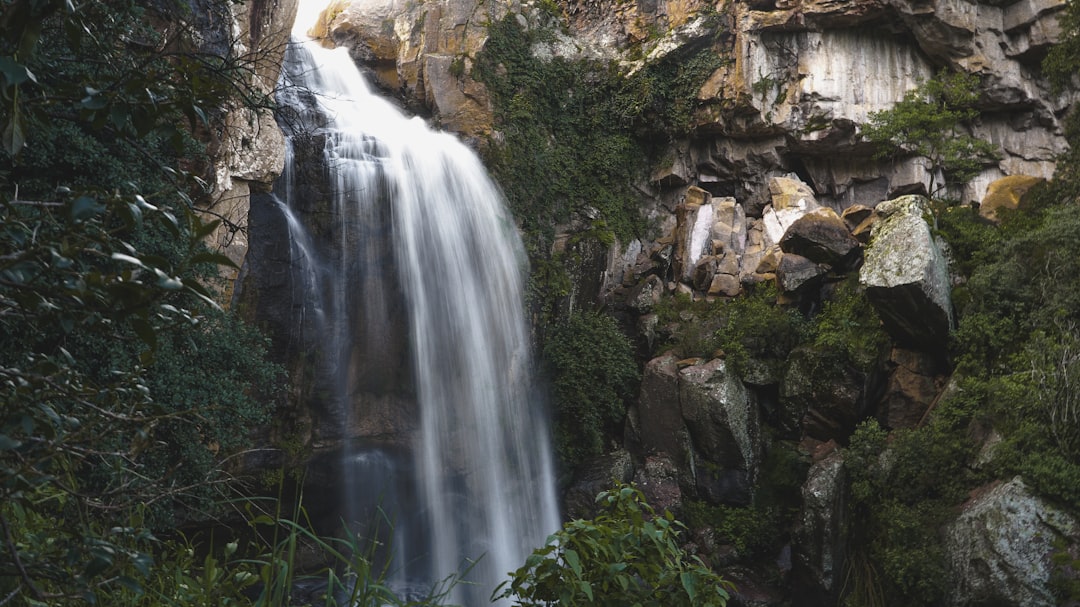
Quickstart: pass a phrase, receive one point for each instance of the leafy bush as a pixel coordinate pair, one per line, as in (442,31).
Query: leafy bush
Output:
(594,376)
(627,555)
(759,328)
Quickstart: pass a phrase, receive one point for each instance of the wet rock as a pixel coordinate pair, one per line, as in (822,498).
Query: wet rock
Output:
(999,549)
(818,550)
(907,277)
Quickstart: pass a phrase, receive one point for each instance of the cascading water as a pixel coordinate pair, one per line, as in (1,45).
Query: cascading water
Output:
(417,224)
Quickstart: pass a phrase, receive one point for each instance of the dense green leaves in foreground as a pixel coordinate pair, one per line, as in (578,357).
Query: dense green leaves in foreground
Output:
(626,555)
(124,389)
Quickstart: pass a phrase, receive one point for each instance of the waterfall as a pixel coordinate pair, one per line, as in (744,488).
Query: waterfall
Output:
(416,235)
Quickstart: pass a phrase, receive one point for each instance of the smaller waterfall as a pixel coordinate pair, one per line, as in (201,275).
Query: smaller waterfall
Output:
(415,245)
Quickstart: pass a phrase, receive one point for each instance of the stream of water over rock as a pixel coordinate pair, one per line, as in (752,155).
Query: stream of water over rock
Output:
(421,240)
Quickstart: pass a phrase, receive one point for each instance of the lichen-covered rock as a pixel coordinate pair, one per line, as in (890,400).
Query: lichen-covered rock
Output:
(823,237)
(1000,546)
(907,276)
(818,550)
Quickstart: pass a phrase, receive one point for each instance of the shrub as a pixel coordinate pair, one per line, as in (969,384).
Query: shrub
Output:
(594,376)
(627,555)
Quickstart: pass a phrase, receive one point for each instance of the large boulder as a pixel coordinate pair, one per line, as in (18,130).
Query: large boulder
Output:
(1000,547)
(906,275)
(658,417)
(724,430)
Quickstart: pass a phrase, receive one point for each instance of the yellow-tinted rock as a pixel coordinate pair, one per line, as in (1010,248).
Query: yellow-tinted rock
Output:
(1005,193)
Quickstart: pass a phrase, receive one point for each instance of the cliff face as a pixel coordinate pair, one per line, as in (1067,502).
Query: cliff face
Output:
(247,147)
(772,181)
(796,78)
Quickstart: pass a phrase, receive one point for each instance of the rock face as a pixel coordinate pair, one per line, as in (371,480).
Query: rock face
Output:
(818,555)
(702,419)
(249,152)
(1000,547)
(907,276)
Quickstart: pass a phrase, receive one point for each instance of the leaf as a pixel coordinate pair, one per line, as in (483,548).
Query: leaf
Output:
(145,331)
(85,207)
(8,444)
(15,73)
(14,139)
(688,583)
(213,258)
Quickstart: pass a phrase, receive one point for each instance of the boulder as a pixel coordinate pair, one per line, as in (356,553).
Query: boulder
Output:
(659,417)
(822,237)
(646,294)
(693,224)
(796,274)
(818,550)
(724,426)
(906,275)
(658,480)
(791,193)
(999,548)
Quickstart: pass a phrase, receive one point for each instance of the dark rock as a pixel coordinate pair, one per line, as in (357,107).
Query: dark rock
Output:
(797,275)
(658,412)
(658,480)
(818,551)
(594,476)
(915,380)
(822,237)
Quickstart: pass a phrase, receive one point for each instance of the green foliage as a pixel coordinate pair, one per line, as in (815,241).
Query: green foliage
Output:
(848,329)
(931,121)
(627,555)
(593,376)
(759,328)
(903,488)
(752,532)
(576,136)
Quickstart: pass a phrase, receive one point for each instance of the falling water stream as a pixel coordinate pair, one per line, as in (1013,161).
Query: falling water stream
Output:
(478,485)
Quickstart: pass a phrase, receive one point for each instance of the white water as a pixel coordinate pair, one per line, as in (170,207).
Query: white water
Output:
(484,486)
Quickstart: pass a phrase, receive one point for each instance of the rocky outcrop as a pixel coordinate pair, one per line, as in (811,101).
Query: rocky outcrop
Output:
(249,151)
(1000,547)
(906,275)
(818,552)
(702,419)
